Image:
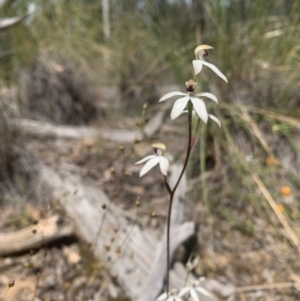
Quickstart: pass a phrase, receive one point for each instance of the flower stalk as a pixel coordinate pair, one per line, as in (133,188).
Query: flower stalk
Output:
(196,111)
(172,192)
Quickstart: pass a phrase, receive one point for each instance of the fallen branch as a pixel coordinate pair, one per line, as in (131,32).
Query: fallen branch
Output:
(32,237)
(269,286)
(43,129)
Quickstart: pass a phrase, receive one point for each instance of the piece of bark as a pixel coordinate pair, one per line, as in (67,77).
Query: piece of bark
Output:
(35,236)
(127,250)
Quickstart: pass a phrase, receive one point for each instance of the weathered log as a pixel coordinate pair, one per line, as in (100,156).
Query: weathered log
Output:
(43,129)
(35,236)
(127,255)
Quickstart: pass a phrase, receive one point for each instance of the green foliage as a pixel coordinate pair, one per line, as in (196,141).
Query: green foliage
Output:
(153,40)
(258,42)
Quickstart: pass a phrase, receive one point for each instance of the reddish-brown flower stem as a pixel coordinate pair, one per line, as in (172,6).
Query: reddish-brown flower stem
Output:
(167,185)
(172,192)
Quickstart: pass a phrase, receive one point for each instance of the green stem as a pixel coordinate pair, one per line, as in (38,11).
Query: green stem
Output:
(5,294)
(167,185)
(203,179)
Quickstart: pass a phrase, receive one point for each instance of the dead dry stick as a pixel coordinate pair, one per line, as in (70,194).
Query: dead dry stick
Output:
(270,286)
(255,130)
(273,115)
(267,113)
(290,233)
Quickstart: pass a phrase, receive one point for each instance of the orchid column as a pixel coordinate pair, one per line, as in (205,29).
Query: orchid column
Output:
(193,106)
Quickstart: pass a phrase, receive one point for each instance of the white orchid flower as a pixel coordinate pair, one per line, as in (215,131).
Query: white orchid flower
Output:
(193,291)
(201,53)
(172,296)
(198,103)
(153,160)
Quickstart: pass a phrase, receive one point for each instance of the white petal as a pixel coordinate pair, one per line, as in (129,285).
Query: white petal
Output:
(150,164)
(193,113)
(216,70)
(176,298)
(197,64)
(145,159)
(179,106)
(194,295)
(171,94)
(215,119)
(203,291)
(162,297)
(183,291)
(200,108)
(209,95)
(163,164)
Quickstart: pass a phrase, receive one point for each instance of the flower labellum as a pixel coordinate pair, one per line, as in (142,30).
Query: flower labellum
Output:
(201,53)
(158,158)
(190,86)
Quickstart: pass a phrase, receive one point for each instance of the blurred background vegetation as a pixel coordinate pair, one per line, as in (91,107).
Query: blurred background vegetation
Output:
(150,42)
(56,65)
